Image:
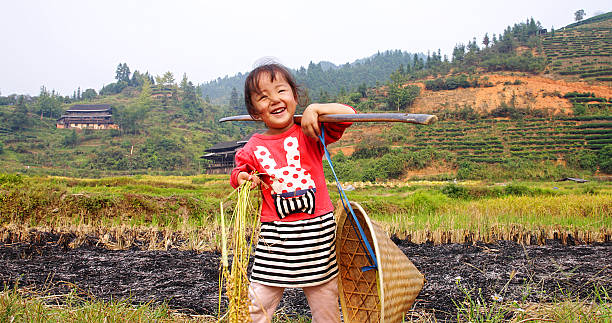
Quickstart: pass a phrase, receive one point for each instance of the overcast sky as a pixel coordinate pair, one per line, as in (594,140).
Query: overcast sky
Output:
(65,44)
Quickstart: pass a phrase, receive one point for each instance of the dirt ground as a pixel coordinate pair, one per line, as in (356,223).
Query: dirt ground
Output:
(188,281)
(536,92)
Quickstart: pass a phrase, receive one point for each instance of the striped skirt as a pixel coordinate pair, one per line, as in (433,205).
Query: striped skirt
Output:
(296,254)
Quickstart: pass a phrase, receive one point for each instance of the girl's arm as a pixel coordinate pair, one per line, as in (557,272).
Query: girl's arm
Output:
(243,170)
(310,117)
(244,176)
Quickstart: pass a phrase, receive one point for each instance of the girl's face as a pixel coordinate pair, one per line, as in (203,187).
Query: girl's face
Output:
(275,104)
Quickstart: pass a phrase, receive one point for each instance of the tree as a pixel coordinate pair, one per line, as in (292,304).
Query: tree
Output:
(89,94)
(418,63)
(579,15)
(48,104)
(189,96)
(485,41)
(145,93)
(400,97)
(472,46)
(130,117)
(605,159)
(122,74)
(168,79)
(363,90)
(234,101)
(70,140)
(323,96)
(458,53)
(19,118)
(506,41)
(398,75)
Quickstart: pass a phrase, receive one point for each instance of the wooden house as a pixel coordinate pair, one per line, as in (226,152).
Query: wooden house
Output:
(221,156)
(83,116)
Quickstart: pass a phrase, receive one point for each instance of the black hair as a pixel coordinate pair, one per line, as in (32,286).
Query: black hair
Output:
(251,84)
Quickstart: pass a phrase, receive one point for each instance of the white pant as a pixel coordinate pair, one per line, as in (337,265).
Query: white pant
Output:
(322,299)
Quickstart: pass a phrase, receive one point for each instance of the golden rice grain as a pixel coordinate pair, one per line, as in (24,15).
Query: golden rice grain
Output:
(235,278)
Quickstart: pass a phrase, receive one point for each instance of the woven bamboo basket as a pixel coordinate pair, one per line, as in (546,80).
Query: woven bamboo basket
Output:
(384,294)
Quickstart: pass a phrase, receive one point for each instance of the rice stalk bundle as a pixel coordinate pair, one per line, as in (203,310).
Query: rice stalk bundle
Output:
(234,276)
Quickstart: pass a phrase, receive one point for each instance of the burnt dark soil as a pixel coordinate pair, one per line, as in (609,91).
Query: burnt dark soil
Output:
(188,281)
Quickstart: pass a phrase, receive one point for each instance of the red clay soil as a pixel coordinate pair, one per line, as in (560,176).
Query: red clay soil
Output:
(188,281)
(536,92)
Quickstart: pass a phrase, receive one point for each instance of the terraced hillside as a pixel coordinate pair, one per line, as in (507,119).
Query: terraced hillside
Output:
(582,51)
(446,147)
(492,140)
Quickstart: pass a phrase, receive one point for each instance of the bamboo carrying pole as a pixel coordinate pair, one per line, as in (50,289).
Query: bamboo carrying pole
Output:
(424,119)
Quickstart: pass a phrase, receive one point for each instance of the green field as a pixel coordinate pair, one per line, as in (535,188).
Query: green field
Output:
(125,210)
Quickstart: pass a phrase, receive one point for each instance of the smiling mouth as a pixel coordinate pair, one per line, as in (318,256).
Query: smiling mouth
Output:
(279,110)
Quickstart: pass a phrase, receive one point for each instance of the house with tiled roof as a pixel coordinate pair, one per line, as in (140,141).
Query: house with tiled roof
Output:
(87,116)
(220,156)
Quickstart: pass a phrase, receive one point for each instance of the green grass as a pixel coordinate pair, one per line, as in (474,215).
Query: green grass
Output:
(475,307)
(188,207)
(19,305)
(23,305)
(490,211)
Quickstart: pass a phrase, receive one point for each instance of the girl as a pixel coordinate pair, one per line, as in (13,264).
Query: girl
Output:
(296,246)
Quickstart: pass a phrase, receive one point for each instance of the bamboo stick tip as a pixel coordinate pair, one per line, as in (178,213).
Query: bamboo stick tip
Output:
(432,119)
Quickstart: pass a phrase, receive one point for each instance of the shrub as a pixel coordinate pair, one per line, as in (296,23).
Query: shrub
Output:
(70,140)
(605,159)
(455,191)
(10,179)
(525,63)
(467,169)
(370,152)
(579,109)
(578,94)
(389,166)
(516,189)
(450,83)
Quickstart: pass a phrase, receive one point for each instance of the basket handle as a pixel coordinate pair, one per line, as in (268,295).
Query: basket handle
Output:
(348,208)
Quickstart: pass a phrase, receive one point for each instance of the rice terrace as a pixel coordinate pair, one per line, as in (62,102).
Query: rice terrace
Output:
(504,204)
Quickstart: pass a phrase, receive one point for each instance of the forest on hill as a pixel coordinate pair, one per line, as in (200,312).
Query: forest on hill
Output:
(324,80)
(166,124)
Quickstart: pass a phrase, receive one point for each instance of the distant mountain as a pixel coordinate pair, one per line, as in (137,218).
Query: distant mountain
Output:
(323,76)
(326,66)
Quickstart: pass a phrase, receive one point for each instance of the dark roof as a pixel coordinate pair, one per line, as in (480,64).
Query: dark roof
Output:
(226,146)
(94,114)
(577,180)
(89,107)
(223,146)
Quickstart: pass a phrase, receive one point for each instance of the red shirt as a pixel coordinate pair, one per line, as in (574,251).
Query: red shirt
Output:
(288,162)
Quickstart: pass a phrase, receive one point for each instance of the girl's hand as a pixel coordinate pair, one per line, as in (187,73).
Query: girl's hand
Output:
(310,117)
(244,176)
(310,121)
